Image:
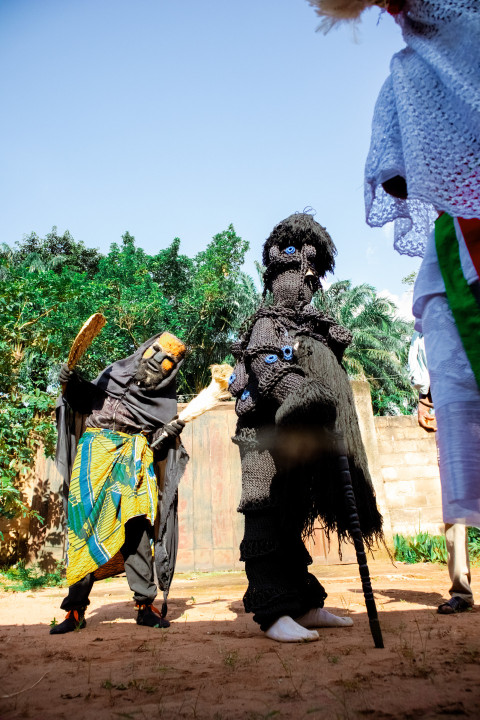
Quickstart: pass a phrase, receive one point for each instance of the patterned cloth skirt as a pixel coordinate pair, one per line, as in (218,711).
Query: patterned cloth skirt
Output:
(113,480)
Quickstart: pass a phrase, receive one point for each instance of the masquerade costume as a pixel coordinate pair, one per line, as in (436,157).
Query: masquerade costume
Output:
(114,481)
(293,398)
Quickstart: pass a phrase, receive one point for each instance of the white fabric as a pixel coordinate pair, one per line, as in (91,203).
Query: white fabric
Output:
(417,364)
(426,124)
(456,398)
(285,629)
(429,280)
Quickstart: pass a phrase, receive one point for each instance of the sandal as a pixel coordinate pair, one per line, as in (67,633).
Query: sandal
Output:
(454,605)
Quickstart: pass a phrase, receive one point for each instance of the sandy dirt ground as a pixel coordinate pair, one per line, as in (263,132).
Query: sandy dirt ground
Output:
(214,663)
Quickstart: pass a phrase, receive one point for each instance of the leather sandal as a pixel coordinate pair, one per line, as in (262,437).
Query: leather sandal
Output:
(454,605)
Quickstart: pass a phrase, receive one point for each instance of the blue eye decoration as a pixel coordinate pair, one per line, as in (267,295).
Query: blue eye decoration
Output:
(271,359)
(232,378)
(245,395)
(290,250)
(287,351)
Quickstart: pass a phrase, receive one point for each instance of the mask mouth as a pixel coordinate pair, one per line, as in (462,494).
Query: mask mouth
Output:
(311,279)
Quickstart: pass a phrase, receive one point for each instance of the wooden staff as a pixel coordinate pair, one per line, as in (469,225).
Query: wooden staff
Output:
(356,534)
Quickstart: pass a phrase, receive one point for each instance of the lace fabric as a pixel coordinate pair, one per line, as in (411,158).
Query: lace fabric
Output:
(426,125)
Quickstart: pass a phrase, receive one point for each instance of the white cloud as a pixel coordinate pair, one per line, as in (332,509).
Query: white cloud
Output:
(388,231)
(403,303)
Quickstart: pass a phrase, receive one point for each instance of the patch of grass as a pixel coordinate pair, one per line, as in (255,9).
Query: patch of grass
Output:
(415,653)
(141,685)
(19,578)
(354,684)
(231,659)
(424,547)
(289,674)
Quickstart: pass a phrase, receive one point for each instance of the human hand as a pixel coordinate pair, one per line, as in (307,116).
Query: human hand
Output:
(65,374)
(174,428)
(426,416)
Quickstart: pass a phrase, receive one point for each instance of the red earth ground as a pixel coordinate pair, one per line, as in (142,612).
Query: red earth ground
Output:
(214,663)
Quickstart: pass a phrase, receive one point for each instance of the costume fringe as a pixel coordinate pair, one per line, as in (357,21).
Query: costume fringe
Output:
(321,493)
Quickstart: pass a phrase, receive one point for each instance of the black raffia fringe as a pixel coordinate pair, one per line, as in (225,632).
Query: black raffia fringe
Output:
(320,493)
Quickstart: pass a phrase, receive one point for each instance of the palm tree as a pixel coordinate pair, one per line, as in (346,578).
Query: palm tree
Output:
(379,349)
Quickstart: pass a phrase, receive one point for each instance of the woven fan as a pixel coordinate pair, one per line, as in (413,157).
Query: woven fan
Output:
(85,336)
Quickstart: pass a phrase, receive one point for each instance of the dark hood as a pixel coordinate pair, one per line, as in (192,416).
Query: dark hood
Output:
(152,407)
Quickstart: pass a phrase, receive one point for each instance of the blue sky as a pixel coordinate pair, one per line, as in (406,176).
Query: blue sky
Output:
(177,118)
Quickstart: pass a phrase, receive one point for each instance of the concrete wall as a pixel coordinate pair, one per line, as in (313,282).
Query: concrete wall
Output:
(403,464)
(408,460)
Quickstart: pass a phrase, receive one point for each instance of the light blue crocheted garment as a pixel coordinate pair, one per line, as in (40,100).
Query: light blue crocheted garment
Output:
(426,124)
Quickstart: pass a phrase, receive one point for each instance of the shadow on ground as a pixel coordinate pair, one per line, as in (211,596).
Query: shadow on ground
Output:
(214,663)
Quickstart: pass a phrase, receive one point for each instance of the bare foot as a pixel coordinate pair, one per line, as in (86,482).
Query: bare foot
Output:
(285,629)
(318,617)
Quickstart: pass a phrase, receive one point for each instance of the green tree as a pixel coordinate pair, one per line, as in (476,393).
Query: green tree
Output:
(26,301)
(50,286)
(379,349)
(210,311)
(56,251)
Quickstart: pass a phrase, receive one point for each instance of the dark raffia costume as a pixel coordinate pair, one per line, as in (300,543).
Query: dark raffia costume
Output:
(293,398)
(121,495)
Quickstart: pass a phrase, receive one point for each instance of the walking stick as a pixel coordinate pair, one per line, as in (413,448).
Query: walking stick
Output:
(357,538)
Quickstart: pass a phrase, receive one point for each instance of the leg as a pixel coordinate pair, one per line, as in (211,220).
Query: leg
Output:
(75,603)
(456,537)
(138,559)
(280,586)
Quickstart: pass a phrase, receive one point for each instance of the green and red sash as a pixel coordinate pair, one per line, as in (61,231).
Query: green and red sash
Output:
(462,302)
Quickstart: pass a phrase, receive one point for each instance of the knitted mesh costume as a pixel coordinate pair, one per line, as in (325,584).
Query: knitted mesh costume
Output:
(292,399)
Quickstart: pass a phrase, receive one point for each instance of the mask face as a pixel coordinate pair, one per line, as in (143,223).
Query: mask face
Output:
(296,285)
(158,360)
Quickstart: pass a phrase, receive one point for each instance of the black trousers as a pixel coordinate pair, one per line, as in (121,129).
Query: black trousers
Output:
(276,564)
(137,555)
